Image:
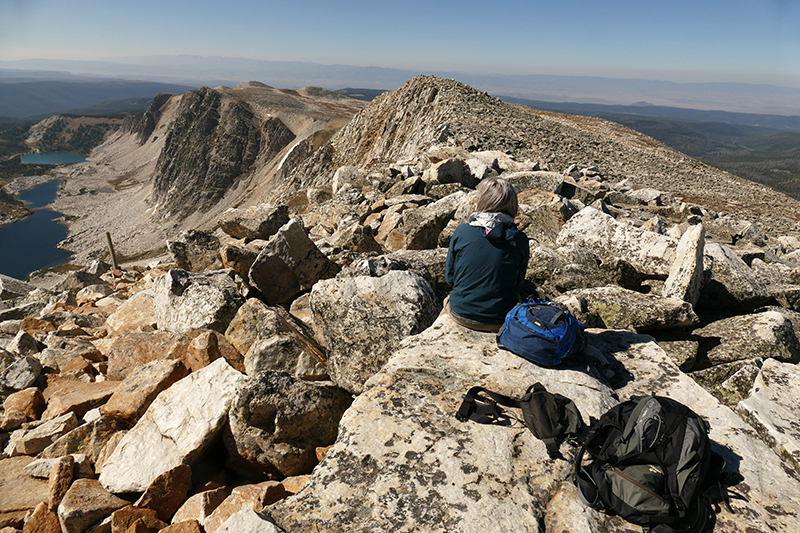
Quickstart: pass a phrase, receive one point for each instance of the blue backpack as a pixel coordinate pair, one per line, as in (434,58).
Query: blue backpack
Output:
(541,332)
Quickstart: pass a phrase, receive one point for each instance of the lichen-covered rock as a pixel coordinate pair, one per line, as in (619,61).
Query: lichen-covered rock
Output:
(260,221)
(276,423)
(195,251)
(650,253)
(289,264)
(765,335)
(363,319)
(403,462)
(619,308)
(185,301)
(733,284)
(772,408)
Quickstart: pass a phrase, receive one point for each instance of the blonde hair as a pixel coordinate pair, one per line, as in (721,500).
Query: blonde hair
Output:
(496,195)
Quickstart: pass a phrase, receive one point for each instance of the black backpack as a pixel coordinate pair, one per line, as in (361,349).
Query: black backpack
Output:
(550,417)
(652,465)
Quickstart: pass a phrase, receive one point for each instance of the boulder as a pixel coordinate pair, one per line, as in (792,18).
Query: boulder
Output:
(14,288)
(772,407)
(766,335)
(132,350)
(363,319)
(60,479)
(618,308)
(260,221)
(542,215)
(138,390)
(41,468)
(733,284)
(176,429)
(61,350)
(238,258)
(686,273)
(403,462)
(649,253)
(19,492)
(200,506)
(276,422)
(41,520)
(195,251)
(85,504)
(73,396)
(29,402)
(356,238)
(289,264)
(273,339)
(253,497)
(185,301)
(452,170)
(89,439)
(39,435)
(247,521)
(125,519)
(167,492)
(137,314)
(540,180)
(17,372)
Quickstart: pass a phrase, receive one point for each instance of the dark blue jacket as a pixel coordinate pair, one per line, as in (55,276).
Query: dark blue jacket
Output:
(486,271)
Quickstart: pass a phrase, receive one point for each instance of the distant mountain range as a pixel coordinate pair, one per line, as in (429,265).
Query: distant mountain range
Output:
(213,71)
(24,98)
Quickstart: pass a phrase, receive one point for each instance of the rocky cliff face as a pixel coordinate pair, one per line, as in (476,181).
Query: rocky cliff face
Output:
(308,384)
(211,145)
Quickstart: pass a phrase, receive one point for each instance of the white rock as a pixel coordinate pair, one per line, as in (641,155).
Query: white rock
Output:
(175,430)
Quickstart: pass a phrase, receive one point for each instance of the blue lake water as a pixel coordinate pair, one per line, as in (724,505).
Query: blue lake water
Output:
(52,158)
(31,244)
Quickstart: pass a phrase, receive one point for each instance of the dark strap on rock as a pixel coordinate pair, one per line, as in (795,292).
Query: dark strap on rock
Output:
(485,409)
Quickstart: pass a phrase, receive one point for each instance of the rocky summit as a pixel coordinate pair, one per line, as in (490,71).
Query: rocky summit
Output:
(281,362)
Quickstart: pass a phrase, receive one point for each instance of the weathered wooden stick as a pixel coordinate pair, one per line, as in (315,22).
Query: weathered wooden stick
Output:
(111,251)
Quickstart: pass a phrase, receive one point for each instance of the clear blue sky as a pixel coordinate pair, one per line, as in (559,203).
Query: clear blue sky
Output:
(679,40)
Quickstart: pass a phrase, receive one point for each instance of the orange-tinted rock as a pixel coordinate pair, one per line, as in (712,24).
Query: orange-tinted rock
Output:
(64,396)
(123,519)
(19,492)
(254,497)
(42,520)
(187,526)
(37,325)
(196,354)
(137,314)
(135,394)
(200,506)
(29,401)
(136,349)
(295,484)
(60,480)
(167,492)
(86,503)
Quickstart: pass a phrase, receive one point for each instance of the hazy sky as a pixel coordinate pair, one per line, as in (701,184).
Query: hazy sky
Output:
(678,40)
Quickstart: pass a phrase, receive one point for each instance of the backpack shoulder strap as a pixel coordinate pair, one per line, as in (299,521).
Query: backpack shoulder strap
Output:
(482,406)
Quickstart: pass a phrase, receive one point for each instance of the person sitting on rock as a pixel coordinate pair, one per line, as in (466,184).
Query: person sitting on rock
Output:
(487,259)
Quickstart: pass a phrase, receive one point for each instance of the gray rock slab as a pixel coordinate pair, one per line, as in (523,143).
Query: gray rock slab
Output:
(185,301)
(649,253)
(686,272)
(403,462)
(773,408)
(363,319)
